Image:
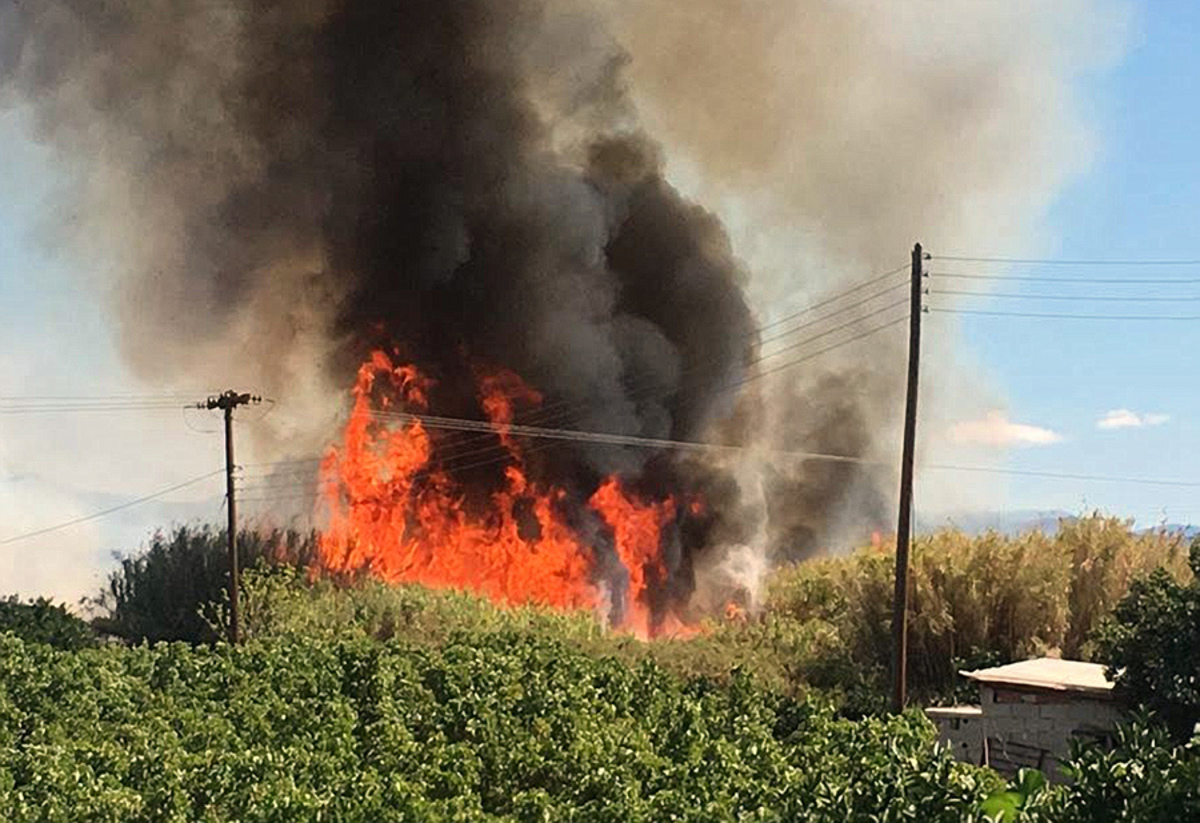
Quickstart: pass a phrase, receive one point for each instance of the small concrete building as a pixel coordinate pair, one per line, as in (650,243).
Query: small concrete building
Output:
(1028,713)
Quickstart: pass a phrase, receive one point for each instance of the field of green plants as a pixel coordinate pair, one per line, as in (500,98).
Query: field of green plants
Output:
(368,702)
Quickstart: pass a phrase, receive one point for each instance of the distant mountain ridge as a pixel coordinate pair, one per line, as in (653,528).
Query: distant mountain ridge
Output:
(1022,520)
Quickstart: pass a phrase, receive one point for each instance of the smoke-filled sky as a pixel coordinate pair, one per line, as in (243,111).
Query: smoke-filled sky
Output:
(827,136)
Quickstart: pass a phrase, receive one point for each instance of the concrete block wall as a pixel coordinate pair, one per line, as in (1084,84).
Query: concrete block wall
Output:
(1045,720)
(963,734)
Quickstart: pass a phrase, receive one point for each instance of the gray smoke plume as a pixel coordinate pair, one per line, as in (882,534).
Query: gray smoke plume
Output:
(831,135)
(338,176)
(276,188)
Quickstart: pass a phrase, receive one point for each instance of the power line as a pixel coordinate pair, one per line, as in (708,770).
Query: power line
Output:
(465,424)
(551,410)
(97,515)
(844,293)
(487,430)
(1075,297)
(55,409)
(574,435)
(828,332)
(1031,278)
(491,431)
(1053,316)
(1032,261)
(552,413)
(1145,481)
(94,397)
(427,471)
(834,314)
(292,462)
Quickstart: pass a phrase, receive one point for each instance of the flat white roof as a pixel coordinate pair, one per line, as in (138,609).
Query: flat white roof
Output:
(1047,673)
(954,711)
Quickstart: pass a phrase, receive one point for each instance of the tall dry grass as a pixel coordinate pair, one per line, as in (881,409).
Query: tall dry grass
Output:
(978,600)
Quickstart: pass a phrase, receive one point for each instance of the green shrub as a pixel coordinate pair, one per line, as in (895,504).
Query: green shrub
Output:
(1144,778)
(167,590)
(41,621)
(498,727)
(1152,648)
(286,602)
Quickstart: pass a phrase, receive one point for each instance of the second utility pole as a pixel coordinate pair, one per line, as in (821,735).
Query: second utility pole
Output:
(904,528)
(227,402)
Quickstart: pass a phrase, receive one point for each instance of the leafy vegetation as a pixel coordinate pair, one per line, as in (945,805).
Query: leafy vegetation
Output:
(1145,777)
(166,591)
(497,726)
(1152,647)
(501,726)
(358,700)
(826,624)
(976,601)
(281,602)
(41,621)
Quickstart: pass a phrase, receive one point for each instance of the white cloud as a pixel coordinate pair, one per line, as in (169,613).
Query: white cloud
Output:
(1126,419)
(997,430)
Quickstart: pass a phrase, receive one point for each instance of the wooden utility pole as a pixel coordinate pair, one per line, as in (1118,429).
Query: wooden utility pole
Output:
(904,528)
(227,402)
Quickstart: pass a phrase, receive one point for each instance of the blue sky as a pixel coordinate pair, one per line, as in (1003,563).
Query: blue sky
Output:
(1138,199)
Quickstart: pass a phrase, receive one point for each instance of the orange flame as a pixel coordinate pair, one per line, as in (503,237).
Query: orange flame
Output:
(637,529)
(395,511)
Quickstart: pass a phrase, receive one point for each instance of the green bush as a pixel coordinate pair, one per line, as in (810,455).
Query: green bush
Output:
(499,727)
(168,590)
(977,601)
(41,621)
(1144,778)
(286,602)
(1152,648)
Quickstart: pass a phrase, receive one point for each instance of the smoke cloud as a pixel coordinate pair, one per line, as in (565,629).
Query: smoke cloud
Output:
(274,189)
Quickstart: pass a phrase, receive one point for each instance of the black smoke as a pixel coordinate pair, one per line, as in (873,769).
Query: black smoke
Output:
(462,181)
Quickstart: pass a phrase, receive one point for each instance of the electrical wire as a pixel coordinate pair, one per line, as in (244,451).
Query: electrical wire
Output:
(1023,261)
(427,472)
(464,424)
(844,293)
(1055,316)
(290,462)
(545,412)
(102,397)
(831,315)
(1031,278)
(106,512)
(1146,481)
(14,410)
(488,430)
(188,423)
(1074,297)
(823,334)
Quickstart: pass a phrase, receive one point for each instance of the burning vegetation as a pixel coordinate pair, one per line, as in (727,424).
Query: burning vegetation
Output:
(474,189)
(397,508)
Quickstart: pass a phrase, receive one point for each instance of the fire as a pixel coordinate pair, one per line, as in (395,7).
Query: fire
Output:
(637,529)
(395,511)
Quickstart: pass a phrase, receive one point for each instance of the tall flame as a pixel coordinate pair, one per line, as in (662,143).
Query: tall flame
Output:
(396,512)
